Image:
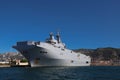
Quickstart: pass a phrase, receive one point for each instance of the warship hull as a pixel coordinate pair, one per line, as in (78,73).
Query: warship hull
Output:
(42,56)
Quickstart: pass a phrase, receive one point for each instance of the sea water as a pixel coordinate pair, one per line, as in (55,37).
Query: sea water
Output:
(61,73)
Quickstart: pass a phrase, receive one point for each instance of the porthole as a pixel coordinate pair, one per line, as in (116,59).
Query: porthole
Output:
(87,62)
(72,61)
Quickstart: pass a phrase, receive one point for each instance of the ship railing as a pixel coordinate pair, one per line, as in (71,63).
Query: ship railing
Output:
(28,43)
(22,43)
(25,43)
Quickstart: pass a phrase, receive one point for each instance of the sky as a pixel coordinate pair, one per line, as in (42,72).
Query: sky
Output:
(86,24)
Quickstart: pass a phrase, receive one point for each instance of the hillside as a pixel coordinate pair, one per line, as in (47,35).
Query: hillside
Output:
(102,56)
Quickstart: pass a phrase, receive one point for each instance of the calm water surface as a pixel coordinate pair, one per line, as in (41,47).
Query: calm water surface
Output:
(60,73)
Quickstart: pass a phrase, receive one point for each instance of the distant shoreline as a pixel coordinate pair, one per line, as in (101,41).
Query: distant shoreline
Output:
(1,66)
(6,65)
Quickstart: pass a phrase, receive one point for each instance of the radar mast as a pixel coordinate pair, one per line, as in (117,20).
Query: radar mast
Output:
(58,37)
(51,36)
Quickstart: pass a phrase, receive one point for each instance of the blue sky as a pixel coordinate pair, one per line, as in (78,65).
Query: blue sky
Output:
(82,23)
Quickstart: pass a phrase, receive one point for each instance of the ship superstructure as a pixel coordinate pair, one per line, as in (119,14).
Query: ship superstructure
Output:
(52,52)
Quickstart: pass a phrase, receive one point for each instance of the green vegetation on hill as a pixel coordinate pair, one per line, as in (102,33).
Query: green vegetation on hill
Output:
(24,60)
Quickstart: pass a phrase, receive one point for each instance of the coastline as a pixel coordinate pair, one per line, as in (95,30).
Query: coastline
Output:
(5,65)
(92,64)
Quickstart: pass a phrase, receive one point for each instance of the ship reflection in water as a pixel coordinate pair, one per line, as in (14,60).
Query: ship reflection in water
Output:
(61,73)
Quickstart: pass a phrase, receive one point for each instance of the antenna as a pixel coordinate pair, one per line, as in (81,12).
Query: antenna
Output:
(58,30)
(51,33)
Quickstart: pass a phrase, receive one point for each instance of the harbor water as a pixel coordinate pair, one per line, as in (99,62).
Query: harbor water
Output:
(61,73)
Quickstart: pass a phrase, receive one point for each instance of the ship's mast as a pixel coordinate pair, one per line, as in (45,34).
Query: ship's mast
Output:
(58,37)
(51,36)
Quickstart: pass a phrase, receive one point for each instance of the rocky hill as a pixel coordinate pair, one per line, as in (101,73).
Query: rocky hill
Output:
(103,56)
(11,56)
